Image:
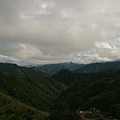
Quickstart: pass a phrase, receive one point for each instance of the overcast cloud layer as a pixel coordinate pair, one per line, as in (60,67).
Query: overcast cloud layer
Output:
(52,31)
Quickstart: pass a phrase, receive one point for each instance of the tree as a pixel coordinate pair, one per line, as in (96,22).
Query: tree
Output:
(115,110)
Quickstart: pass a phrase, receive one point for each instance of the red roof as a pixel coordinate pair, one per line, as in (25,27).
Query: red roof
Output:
(83,112)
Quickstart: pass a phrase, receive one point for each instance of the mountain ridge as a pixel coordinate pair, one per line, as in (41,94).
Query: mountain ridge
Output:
(54,68)
(98,67)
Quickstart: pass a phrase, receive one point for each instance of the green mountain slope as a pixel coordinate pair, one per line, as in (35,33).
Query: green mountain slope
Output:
(12,109)
(68,77)
(90,90)
(38,92)
(14,69)
(29,85)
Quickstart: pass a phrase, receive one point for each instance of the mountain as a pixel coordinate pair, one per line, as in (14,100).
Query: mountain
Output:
(19,70)
(93,67)
(60,95)
(68,77)
(97,67)
(12,109)
(54,68)
(89,90)
(29,85)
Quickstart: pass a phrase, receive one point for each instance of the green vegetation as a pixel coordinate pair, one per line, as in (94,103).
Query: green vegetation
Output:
(26,92)
(27,86)
(37,91)
(12,109)
(115,110)
(90,116)
(87,90)
(63,115)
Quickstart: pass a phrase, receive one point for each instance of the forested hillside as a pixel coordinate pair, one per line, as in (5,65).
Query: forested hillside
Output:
(37,91)
(68,77)
(12,109)
(89,90)
(14,69)
(29,91)
(29,86)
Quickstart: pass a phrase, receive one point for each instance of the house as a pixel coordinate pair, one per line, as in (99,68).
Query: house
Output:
(83,112)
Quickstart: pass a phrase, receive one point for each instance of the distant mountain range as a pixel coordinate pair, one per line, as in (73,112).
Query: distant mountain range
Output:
(98,67)
(93,67)
(54,68)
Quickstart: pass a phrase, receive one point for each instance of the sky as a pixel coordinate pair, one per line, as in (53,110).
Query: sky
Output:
(55,31)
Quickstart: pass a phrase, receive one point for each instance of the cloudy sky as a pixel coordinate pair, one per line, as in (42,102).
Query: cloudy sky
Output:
(54,31)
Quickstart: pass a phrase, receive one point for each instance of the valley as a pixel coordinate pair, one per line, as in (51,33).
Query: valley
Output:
(35,94)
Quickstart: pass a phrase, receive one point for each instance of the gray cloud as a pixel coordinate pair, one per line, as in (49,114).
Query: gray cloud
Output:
(102,51)
(46,31)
